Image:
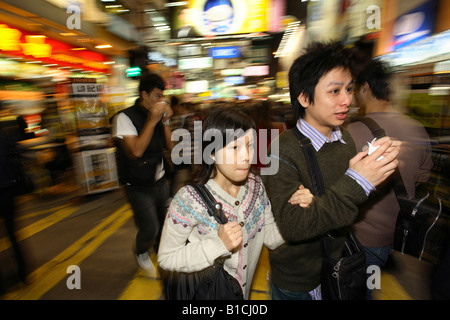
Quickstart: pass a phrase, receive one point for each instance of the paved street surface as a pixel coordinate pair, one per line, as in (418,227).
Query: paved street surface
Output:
(66,235)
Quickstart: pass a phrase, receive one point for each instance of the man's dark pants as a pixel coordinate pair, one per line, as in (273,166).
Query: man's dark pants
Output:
(149,204)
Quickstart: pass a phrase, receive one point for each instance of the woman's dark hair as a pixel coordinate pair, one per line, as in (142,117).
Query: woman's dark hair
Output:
(220,120)
(306,71)
(377,75)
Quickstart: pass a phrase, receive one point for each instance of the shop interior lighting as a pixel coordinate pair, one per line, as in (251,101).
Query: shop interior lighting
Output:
(176,4)
(288,36)
(78,49)
(103,46)
(84,40)
(163,28)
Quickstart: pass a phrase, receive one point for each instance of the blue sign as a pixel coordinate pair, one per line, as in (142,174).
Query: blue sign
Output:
(234,80)
(225,52)
(415,25)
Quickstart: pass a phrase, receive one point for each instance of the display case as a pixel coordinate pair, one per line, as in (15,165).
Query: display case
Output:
(95,163)
(96,170)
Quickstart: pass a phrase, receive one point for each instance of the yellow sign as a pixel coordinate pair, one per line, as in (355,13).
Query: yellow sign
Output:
(212,17)
(10,38)
(35,46)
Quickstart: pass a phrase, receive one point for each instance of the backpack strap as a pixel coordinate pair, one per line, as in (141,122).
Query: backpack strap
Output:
(214,207)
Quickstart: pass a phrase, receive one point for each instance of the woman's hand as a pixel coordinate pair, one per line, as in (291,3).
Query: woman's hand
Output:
(302,197)
(231,235)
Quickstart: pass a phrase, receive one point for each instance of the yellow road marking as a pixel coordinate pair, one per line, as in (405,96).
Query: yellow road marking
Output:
(390,289)
(38,226)
(261,281)
(41,212)
(142,288)
(47,276)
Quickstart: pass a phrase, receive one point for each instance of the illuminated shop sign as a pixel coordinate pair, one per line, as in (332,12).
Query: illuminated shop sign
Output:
(19,43)
(428,48)
(160,58)
(217,17)
(189,50)
(195,63)
(234,80)
(231,72)
(196,86)
(225,52)
(415,25)
(256,71)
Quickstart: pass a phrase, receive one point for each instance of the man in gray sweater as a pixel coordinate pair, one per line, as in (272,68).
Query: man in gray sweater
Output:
(321,87)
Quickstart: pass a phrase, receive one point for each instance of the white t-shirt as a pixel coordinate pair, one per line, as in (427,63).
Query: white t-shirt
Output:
(124,127)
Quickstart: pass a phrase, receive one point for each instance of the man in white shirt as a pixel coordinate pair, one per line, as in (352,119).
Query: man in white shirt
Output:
(142,133)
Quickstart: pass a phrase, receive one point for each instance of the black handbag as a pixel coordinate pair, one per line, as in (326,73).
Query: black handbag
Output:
(343,277)
(212,283)
(417,229)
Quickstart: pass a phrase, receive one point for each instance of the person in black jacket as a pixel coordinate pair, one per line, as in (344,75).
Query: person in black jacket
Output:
(142,133)
(11,131)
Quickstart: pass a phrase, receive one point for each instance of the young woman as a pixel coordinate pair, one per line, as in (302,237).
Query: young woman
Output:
(192,240)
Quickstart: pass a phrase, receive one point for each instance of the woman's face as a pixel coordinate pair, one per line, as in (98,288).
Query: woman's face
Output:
(233,161)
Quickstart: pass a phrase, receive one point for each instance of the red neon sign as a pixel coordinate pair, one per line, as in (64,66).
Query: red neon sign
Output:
(23,44)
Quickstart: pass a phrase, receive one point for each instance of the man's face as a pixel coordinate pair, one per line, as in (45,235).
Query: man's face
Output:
(332,98)
(149,99)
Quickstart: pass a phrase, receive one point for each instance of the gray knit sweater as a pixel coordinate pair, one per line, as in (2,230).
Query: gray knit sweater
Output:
(187,219)
(296,265)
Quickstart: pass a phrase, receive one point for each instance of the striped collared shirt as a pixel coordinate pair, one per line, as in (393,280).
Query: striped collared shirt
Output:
(318,140)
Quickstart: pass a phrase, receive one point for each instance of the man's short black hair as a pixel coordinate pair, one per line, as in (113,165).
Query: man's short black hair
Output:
(306,71)
(377,75)
(150,82)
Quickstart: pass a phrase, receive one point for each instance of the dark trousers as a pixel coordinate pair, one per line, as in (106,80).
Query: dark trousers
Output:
(149,206)
(7,212)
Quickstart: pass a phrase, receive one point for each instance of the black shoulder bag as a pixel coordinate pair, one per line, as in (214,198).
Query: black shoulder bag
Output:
(342,278)
(418,215)
(212,283)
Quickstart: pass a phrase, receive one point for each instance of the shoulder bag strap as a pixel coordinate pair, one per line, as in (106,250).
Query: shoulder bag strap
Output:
(313,166)
(214,207)
(378,132)
(316,178)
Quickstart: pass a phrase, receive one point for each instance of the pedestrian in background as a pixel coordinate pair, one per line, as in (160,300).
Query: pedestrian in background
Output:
(11,131)
(376,222)
(181,119)
(142,133)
